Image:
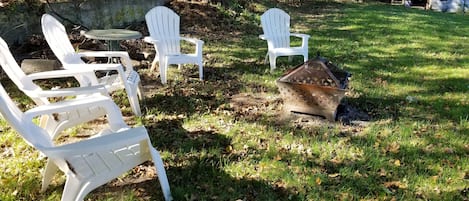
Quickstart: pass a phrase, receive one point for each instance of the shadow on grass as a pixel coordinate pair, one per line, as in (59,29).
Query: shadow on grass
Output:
(189,97)
(195,171)
(403,107)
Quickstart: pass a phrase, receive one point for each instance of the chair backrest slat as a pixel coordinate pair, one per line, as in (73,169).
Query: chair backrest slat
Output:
(276,26)
(163,24)
(57,38)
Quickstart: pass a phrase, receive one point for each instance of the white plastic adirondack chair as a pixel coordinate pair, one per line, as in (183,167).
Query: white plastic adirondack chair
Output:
(127,78)
(163,25)
(90,163)
(56,123)
(276,26)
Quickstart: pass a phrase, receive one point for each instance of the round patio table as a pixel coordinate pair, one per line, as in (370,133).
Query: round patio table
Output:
(112,36)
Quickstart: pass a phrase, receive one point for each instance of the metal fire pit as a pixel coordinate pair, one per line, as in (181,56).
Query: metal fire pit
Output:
(315,87)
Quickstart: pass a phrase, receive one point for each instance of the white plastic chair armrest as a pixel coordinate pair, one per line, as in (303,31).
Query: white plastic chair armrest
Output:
(95,66)
(198,44)
(68,91)
(58,73)
(123,54)
(109,54)
(300,35)
(192,40)
(63,106)
(102,143)
(104,67)
(114,115)
(150,39)
(263,37)
(304,38)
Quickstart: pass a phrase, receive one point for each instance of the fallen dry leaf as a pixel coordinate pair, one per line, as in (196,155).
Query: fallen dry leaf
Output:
(393,147)
(382,172)
(395,185)
(318,181)
(278,157)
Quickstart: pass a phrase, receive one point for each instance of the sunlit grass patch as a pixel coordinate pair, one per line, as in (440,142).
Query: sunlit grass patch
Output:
(20,167)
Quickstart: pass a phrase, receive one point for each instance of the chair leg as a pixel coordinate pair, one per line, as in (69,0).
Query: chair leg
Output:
(179,66)
(266,57)
(163,71)
(72,189)
(141,94)
(201,71)
(133,92)
(48,174)
(134,103)
(153,64)
(272,60)
(305,57)
(290,58)
(161,173)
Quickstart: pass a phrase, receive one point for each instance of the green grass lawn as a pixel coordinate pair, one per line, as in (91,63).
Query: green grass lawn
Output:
(410,74)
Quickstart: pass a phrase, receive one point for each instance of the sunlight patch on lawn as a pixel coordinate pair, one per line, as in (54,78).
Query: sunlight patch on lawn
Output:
(437,72)
(351,27)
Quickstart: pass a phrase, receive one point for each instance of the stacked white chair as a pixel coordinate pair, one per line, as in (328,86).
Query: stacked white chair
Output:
(90,163)
(126,78)
(54,124)
(87,164)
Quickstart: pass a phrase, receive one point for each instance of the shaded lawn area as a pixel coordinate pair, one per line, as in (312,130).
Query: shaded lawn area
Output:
(225,139)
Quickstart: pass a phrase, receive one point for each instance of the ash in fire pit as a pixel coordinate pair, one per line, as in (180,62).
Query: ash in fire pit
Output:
(315,87)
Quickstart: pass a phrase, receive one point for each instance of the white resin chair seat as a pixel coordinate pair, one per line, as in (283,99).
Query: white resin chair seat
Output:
(163,25)
(283,51)
(276,26)
(90,163)
(126,78)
